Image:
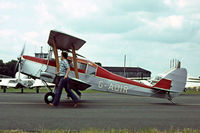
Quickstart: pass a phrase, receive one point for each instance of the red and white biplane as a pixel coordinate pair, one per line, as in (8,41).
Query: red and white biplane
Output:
(85,74)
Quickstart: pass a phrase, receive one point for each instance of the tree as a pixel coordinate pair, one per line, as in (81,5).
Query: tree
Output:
(98,63)
(8,68)
(2,67)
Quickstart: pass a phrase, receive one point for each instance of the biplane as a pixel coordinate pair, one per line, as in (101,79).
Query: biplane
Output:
(85,74)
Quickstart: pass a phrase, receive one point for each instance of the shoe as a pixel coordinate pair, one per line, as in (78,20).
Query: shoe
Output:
(51,104)
(75,105)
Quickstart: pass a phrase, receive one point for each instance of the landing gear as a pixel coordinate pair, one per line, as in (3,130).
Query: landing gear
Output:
(37,89)
(171,101)
(170,98)
(22,90)
(4,89)
(49,97)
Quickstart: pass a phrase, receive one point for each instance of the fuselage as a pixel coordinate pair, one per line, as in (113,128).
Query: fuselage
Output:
(99,78)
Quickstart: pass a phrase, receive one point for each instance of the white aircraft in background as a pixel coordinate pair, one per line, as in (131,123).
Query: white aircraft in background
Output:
(193,83)
(22,81)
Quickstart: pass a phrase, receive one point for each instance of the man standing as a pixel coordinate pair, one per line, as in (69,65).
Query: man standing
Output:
(64,81)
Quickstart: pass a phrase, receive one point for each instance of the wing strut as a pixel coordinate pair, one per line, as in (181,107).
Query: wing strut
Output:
(75,62)
(56,55)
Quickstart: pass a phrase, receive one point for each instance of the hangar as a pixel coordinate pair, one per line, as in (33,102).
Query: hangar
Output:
(130,72)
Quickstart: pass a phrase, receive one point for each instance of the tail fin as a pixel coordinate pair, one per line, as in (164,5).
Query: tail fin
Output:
(173,81)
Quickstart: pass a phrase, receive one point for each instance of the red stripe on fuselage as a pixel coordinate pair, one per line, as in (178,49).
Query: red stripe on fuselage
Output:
(45,62)
(101,72)
(39,60)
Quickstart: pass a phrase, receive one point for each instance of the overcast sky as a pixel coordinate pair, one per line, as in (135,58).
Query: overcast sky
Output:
(149,32)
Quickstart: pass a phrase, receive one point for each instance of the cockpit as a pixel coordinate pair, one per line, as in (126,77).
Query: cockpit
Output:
(84,66)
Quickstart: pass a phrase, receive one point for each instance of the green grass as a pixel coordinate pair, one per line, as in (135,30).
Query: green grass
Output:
(92,130)
(191,92)
(26,90)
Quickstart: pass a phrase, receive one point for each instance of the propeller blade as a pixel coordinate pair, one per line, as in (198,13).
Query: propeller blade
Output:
(22,52)
(19,60)
(16,68)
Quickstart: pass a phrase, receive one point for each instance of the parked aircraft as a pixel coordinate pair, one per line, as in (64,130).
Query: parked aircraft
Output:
(15,83)
(23,82)
(193,83)
(85,74)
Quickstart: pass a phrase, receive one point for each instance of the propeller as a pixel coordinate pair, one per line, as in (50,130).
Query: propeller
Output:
(19,61)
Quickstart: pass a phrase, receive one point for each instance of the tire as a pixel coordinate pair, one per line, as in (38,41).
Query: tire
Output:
(37,89)
(4,89)
(49,97)
(22,90)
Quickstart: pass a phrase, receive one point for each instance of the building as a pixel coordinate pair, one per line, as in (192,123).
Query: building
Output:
(130,72)
(41,55)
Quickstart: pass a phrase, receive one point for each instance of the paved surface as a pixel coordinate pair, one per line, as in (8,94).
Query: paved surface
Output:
(98,110)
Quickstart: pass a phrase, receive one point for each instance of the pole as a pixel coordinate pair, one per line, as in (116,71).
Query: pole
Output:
(124,65)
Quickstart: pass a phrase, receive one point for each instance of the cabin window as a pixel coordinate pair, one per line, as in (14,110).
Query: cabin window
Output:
(81,66)
(91,70)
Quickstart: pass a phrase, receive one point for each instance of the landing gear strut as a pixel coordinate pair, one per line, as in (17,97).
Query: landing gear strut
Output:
(171,101)
(49,97)
(37,89)
(170,98)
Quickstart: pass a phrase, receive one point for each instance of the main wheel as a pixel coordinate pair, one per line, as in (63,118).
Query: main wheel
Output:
(49,97)
(4,89)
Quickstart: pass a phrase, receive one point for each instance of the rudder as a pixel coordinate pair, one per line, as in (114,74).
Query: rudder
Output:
(178,77)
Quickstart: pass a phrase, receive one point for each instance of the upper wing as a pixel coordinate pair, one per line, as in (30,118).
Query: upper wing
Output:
(64,41)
